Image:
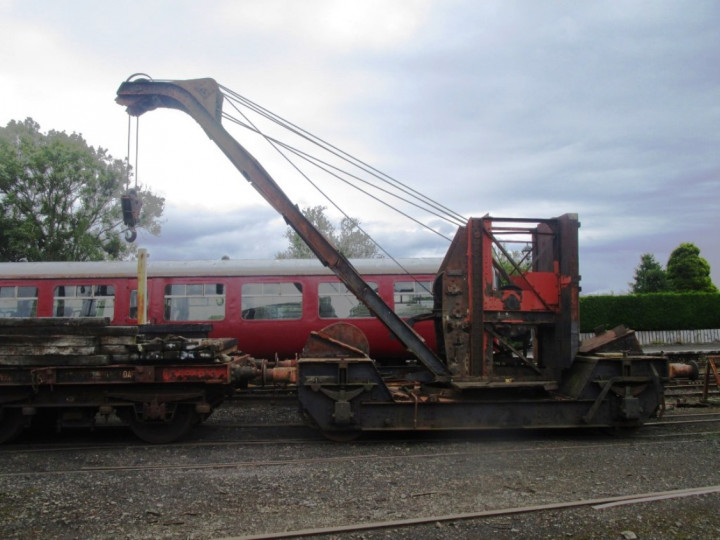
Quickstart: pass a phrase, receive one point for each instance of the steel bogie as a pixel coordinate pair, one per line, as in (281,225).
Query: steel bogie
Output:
(351,395)
(156,412)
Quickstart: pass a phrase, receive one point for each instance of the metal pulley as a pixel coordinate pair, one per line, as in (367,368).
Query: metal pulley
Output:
(131,205)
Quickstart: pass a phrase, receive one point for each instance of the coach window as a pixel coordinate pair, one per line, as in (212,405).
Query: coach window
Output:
(18,301)
(194,302)
(413,298)
(262,301)
(336,301)
(84,301)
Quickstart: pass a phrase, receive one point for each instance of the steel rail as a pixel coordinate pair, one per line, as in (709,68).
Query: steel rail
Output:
(599,503)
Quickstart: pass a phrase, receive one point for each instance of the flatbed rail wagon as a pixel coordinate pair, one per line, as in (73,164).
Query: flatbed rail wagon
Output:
(70,372)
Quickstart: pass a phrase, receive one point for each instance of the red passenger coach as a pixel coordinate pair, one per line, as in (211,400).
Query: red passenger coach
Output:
(269,306)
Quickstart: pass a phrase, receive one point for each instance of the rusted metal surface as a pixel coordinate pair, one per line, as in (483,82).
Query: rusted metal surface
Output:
(142,258)
(260,372)
(125,375)
(689,371)
(215,374)
(281,375)
(619,339)
(711,366)
(490,312)
(339,340)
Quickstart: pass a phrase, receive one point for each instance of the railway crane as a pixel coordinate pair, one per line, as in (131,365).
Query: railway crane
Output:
(507,333)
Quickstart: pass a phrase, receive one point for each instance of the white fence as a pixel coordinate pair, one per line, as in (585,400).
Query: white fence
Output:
(670,337)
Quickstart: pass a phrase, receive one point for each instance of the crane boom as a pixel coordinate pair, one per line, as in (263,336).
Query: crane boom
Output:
(202,100)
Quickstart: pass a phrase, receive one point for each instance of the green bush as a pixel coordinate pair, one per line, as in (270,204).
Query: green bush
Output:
(658,311)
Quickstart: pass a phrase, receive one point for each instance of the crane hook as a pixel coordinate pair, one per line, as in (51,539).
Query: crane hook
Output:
(131,205)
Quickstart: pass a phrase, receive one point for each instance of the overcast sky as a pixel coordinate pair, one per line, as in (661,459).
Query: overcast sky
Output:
(515,108)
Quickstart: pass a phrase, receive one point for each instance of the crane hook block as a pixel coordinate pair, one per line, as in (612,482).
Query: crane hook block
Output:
(131,205)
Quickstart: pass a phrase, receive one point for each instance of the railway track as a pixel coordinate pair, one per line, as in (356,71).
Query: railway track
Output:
(229,432)
(498,443)
(598,504)
(409,486)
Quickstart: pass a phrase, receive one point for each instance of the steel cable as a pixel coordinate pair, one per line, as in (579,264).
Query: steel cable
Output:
(444,212)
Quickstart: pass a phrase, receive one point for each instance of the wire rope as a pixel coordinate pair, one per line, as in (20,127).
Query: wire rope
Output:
(233,96)
(325,166)
(304,155)
(276,146)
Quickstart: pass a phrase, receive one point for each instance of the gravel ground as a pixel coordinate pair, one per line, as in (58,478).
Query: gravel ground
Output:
(233,485)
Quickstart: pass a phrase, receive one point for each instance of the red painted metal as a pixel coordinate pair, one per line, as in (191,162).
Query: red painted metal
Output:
(488,308)
(212,374)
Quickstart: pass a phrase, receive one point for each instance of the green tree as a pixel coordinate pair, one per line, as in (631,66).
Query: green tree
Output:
(516,259)
(650,277)
(351,241)
(60,198)
(687,271)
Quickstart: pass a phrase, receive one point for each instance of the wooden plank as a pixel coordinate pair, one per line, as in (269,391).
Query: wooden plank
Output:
(48,330)
(131,358)
(44,322)
(48,349)
(219,344)
(26,339)
(118,340)
(53,361)
(117,349)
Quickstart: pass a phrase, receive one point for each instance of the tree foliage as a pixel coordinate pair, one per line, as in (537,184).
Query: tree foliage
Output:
(351,241)
(687,271)
(650,277)
(60,198)
(511,260)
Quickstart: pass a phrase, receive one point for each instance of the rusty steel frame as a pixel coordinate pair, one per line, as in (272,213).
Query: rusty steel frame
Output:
(711,365)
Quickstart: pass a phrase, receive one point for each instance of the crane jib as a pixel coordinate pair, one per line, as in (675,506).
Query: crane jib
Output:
(202,100)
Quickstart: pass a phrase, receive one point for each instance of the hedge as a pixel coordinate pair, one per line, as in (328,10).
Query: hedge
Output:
(658,311)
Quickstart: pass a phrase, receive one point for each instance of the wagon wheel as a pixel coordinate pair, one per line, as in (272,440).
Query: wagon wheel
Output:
(163,431)
(12,423)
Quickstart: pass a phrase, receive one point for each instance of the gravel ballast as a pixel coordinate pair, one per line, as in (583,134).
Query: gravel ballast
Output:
(233,481)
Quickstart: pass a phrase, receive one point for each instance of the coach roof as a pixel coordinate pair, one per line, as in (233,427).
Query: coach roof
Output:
(237,267)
